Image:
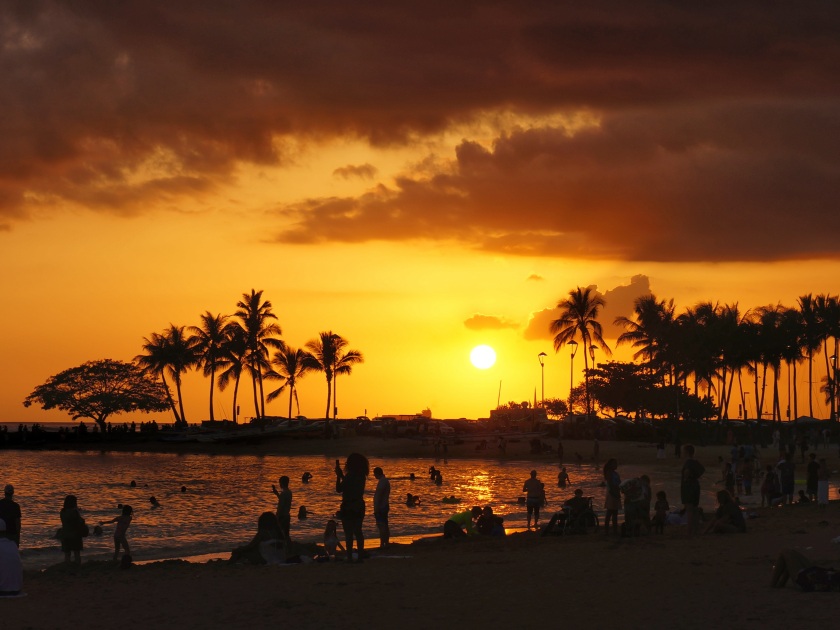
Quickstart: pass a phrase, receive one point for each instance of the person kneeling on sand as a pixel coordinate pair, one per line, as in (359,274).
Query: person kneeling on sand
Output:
(11,569)
(793,565)
(266,547)
(461,524)
(488,524)
(728,517)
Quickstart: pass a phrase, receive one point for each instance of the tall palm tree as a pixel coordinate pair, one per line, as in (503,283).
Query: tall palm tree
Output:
(812,335)
(257,320)
(322,353)
(209,343)
(170,353)
(344,362)
(649,331)
(828,311)
(290,365)
(155,361)
(233,361)
(579,318)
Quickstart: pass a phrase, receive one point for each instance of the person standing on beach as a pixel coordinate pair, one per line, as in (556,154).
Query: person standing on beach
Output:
(692,470)
(812,472)
(535,497)
(11,568)
(351,484)
(284,506)
(10,513)
(72,529)
(612,503)
(381,506)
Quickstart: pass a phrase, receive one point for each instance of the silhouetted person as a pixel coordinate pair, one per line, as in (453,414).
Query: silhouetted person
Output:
(10,513)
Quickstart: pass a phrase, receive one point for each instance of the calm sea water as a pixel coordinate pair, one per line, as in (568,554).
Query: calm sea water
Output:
(226,493)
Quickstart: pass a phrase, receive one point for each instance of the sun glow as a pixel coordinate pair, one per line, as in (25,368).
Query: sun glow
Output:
(483,357)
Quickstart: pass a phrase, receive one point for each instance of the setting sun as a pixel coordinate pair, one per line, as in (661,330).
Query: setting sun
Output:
(483,357)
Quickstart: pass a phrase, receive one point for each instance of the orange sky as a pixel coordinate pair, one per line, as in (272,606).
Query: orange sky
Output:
(419,178)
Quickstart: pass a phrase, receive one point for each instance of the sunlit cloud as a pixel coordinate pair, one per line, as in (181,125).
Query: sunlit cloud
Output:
(489,322)
(618,303)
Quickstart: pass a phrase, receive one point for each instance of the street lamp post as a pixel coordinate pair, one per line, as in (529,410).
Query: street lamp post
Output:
(541,356)
(573,345)
(586,376)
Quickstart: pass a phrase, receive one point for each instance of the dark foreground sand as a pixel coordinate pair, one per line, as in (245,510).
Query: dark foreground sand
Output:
(521,581)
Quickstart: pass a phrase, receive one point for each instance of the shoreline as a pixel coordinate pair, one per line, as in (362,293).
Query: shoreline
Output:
(707,581)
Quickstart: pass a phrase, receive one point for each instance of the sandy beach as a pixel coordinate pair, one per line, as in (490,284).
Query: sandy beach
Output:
(522,580)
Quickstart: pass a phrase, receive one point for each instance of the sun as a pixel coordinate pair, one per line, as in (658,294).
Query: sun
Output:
(483,357)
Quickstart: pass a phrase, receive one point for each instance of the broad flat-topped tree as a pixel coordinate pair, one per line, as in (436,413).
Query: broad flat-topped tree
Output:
(100,389)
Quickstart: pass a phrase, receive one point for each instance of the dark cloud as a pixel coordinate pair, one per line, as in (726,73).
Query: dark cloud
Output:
(618,303)
(489,322)
(719,183)
(363,171)
(717,121)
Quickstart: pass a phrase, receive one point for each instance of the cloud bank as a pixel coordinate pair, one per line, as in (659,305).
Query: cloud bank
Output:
(711,137)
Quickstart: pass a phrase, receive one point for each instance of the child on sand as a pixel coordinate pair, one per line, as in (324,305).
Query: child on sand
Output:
(661,509)
(122,521)
(331,542)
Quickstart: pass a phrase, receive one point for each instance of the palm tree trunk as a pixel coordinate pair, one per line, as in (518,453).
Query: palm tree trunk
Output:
(795,395)
(329,395)
(212,388)
(262,397)
(169,398)
(235,394)
(180,399)
(811,383)
(777,408)
(254,389)
(291,393)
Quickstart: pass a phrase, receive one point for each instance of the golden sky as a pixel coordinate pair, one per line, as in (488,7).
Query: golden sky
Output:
(417,177)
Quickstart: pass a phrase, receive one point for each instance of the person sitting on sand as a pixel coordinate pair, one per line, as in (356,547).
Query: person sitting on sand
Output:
(11,569)
(728,517)
(461,524)
(794,566)
(803,498)
(412,500)
(266,547)
(488,524)
(331,542)
(572,509)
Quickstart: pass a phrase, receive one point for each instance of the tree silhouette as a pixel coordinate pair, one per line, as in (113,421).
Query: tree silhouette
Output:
(257,320)
(169,353)
(100,389)
(579,318)
(209,340)
(290,365)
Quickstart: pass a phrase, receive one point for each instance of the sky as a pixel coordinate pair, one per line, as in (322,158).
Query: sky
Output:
(419,178)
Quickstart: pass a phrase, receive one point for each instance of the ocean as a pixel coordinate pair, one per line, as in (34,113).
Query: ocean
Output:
(224,495)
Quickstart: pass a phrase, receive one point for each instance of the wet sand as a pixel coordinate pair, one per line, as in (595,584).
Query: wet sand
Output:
(521,581)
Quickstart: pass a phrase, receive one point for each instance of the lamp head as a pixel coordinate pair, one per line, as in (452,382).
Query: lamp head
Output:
(541,356)
(573,345)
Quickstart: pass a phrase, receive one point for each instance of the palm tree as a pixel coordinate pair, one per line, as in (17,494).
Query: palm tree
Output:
(812,335)
(155,361)
(170,352)
(322,359)
(232,362)
(344,362)
(209,343)
(290,366)
(256,318)
(579,318)
(649,331)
